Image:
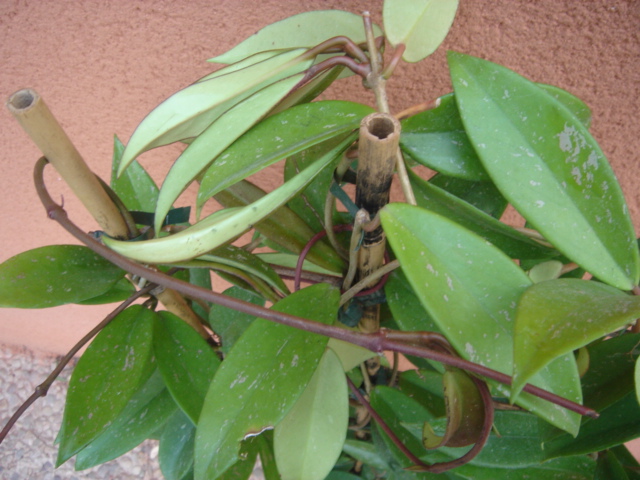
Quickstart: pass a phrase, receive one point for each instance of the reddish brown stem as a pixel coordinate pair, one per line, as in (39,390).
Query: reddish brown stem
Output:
(42,389)
(376,342)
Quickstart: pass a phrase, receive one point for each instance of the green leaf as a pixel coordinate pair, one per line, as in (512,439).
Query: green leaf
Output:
(108,374)
(175,454)
(545,271)
(287,133)
(119,292)
(283,227)
(304,30)
(437,139)
(420,25)
(482,195)
(290,260)
(366,453)
(611,371)
(135,187)
(506,238)
(310,204)
(215,139)
(408,313)
(573,103)
(219,227)
(350,355)
(470,289)
(397,409)
(571,468)
(309,439)
(147,411)
(545,162)
(609,467)
(190,111)
(556,317)
(249,263)
(267,457)
(55,275)
(260,380)
(230,324)
(617,424)
(242,469)
(186,361)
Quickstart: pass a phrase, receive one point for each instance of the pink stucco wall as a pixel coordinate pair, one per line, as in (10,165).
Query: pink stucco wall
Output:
(102,65)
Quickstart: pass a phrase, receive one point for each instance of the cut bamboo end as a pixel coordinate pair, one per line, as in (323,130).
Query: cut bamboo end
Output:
(44,130)
(378,145)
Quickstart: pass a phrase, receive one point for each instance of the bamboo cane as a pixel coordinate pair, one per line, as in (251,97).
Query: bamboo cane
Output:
(42,127)
(39,123)
(378,146)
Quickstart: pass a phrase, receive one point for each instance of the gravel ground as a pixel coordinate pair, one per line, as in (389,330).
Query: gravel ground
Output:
(28,451)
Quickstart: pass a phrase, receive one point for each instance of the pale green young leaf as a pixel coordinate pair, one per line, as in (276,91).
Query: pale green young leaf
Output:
(135,187)
(545,162)
(420,25)
(287,133)
(55,275)
(305,30)
(108,374)
(470,289)
(221,226)
(190,111)
(185,360)
(350,355)
(240,64)
(260,380)
(309,439)
(215,139)
(284,227)
(556,317)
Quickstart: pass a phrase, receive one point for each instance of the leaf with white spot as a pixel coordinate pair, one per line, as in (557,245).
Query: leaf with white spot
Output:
(190,111)
(471,289)
(544,161)
(55,275)
(289,132)
(265,373)
(109,373)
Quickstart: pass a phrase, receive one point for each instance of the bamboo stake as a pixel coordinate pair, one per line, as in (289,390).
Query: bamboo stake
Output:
(42,127)
(378,146)
(39,123)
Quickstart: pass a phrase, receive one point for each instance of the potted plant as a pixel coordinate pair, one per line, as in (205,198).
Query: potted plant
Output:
(523,339)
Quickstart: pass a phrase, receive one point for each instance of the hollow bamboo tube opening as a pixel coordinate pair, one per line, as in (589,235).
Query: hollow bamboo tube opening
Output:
(44,130)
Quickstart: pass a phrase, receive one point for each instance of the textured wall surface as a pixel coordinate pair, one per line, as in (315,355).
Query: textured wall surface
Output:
(103,65)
